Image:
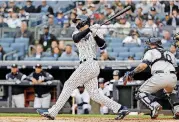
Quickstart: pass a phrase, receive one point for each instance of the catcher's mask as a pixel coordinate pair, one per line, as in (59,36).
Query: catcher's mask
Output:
(154,41)
(81,21)
(176,39)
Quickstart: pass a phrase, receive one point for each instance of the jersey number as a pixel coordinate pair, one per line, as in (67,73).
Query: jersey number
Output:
(168,57)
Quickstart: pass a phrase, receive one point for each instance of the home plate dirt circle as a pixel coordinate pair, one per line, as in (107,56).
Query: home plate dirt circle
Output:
(81,119)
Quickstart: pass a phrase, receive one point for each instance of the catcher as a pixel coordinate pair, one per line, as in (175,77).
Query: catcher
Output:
(163,71)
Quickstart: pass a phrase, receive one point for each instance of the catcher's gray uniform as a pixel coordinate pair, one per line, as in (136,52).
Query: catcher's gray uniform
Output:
(163,75)
(86,74)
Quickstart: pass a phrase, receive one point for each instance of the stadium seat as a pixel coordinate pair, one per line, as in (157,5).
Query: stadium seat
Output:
(119,58)
(131,45)
(109,49)
(137,58)
(113,54)
(65,59)
(48,59)
(20,49)
(126,54)
(4,44)
(25,41)
(136,49)
(139,54)
(121,49)
(7,40)
(8,49)
(76,59)
(115,45)
(47,54)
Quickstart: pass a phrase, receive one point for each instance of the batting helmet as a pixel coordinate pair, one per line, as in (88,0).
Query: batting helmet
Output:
(84,20)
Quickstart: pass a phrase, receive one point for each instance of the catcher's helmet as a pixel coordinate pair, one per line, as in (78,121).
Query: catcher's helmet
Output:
(154,41)
(84,20)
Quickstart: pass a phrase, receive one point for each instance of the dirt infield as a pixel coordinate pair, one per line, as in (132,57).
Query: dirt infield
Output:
(82,119)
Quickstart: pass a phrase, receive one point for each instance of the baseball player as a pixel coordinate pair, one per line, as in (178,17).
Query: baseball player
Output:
(105,91)
(82,100)
(42,93)
(86,39)
(17,91)
(162,65)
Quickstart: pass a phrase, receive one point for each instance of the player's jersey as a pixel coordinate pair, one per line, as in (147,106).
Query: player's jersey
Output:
(104,91)
(87,47)
(152,55)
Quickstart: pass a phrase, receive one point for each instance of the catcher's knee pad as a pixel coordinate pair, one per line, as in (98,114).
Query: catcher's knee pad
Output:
(174,99)
(86,111)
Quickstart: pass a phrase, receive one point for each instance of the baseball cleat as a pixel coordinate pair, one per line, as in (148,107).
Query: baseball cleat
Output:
(155,112)
(45,114)
(176,116)
(122,113)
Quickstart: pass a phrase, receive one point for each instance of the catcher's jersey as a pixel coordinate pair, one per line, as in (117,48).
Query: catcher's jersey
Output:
(153,54)
(87,47)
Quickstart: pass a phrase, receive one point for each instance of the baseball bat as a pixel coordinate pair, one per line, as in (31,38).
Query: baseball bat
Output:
(73,103)
(117,14)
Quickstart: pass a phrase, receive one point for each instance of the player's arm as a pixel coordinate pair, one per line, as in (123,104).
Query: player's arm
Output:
(80,34)
(48,77)
(100,42)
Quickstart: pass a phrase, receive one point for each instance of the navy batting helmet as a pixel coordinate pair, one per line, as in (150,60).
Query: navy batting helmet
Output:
(84,20)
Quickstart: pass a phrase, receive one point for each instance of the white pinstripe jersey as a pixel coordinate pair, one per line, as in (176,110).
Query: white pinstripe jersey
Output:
(87,46)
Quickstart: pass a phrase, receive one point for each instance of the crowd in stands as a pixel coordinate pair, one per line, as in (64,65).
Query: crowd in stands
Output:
(146,19)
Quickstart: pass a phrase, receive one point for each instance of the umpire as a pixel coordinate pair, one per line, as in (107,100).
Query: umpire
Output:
(42,93)
(17,91)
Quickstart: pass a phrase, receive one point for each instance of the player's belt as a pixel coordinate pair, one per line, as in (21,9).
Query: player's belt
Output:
(86,60)
(160,71)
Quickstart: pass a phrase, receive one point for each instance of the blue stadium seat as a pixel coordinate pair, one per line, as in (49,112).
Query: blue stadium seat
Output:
(20,49)
(139,54)
(113,54)
(7,40)
(137,58)
(47,54)
(76,59)
(126,54)
(25,41)
(31,59)
(109,49)
(131,45)
(48,59)
(4,44)
(8,49)
(136,49)
(121,49)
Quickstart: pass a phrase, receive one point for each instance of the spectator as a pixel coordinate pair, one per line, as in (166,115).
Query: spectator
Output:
(84,11)
(130,58)
(174,19)
(39,51)
(2,23)
(46,38)
(61,45)
(60,18)
(155,15)
(169,8)
(91,9)
(44,8)
(10,12)
(54,44)
(166,37)
(101,18)
(69,53)
(173,49)
(105,91)
(82,101)
(167,17)
(25,33)
(66,25)
(1,52)
(42,93)
(109,10)
(12,5)
(29,7)
(4,8)
(132,38)
(79,7)
(17,91)
(139,13)
(51,23)
(150,23)
(23,15)
(56,52)
(122,22)
(106,57)
(156,4)
(144,5)
(13,22)
(72,17)
(138,24)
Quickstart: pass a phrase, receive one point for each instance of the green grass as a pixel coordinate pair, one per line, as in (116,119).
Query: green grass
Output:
(70,115)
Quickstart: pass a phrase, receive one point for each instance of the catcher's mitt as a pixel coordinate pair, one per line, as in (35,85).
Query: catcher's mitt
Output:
(128,77)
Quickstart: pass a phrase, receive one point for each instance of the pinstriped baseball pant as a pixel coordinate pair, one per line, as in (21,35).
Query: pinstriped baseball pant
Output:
(85,74)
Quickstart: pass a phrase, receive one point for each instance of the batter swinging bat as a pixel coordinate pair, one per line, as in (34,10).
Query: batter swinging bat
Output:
(117,14)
